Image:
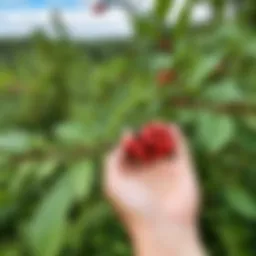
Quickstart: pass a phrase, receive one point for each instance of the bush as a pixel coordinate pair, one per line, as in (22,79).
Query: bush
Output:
(62,107)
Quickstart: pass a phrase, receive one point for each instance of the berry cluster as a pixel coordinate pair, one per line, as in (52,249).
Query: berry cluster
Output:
(166,76)
(152,142)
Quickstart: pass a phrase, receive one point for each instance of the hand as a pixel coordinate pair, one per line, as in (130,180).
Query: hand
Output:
(161,198)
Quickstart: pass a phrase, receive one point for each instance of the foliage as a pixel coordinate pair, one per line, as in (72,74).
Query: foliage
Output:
(63,107)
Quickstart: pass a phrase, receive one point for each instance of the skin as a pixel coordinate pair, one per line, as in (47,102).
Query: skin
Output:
(159,202)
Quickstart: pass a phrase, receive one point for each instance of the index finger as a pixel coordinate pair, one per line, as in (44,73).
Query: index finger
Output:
(182,146)
(114,162)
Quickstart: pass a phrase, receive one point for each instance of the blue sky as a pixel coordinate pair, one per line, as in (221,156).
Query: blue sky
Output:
(21,4)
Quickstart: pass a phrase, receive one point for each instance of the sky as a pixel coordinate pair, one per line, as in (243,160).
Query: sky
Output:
(20,17)
(20,4)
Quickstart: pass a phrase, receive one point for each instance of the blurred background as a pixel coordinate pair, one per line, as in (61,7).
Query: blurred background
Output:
(74,74)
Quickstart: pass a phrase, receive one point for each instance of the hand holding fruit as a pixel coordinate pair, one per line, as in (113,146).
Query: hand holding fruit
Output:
(151,182)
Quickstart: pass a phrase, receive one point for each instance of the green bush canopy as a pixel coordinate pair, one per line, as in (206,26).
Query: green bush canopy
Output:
(64,104)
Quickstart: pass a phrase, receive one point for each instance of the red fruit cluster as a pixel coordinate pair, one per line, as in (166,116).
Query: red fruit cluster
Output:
(165,76)
(153,142)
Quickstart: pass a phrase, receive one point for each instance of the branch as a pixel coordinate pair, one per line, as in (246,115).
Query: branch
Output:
(64,155)
(235,108)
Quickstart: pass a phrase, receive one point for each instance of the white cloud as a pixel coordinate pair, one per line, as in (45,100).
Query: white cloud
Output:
(82,23)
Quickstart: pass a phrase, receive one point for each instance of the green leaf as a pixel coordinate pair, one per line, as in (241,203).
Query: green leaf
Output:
(10,249)
(91,216)
(240,201)
(144,26)
(214,131)
(15,142)
(247,142)
(219,10)
(126,103)
(82,177)
(225,92)
(22,173)
(162,61)
(186,116)
(183,19)
(202,70)
(46,168)
(250,48)
(161,8)
(70,133)
(46,231)
(234,236)
(250,122)
(76,133)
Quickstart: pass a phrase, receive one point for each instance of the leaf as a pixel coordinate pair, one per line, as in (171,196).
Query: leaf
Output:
(240,201)
(161,8)
(46,168)
(90,217)
(124,106)
(70,132)
(214,131)
(15,142)
(82,177)
(47,228)
(183,18)
(247,142)
(76,133)
(225,92)
(250,48)
(234,237)
(218,8)
(10,249)
(144,27)
(162,61)
(24,170)
(202,70)
(186,116)
(250,122)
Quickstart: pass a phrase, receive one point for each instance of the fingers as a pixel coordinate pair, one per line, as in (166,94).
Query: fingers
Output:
(127,135)
(115,159)
(114,162)
(182,146)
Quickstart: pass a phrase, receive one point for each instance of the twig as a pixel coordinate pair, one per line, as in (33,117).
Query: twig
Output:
(235,108)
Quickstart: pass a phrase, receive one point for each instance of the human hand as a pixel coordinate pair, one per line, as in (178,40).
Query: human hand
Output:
(161,197)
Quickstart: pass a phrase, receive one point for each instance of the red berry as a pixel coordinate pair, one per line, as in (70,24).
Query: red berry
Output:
(154,141)
(165,77)
(135,150)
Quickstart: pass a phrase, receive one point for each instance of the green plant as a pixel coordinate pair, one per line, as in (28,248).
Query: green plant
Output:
(62,107)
